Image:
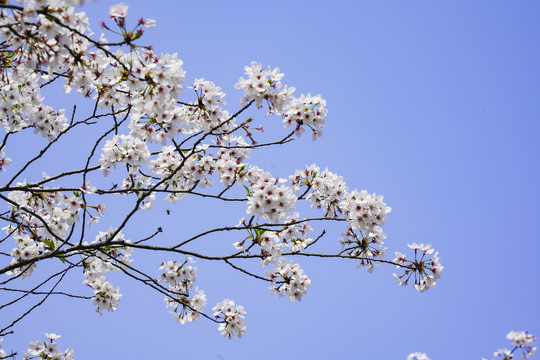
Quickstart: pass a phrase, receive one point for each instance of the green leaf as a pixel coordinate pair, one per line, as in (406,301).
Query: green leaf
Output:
(49,244)
(259,232)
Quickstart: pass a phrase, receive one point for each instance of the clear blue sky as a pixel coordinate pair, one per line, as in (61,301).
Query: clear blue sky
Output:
(434,104)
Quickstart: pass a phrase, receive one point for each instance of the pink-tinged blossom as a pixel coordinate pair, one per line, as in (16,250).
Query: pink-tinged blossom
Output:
(400,258)
(149,23)
(35,347)
(118,10)
(4,161)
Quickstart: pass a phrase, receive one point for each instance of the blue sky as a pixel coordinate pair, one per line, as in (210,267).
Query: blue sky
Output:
(433,104)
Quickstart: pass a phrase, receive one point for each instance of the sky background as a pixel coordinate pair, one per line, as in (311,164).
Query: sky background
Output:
(434,104)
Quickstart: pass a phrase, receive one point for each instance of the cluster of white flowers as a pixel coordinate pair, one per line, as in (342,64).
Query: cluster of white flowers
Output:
(43,220)
(418,356)
(148,84)
(521,340)
(181,173)
(189,309)
(265,85)
(180,279)
(270,200)
(327,188)
(106,297)
(21,106)
(426,271)
(155,114)
(271,246)
(288,279)
(207,114)
(232,317)
(46,350)
(364,212)
(179,275)
(307,111)
(46,50)
(124,149)
(26,249)
(231,156)
(294,233)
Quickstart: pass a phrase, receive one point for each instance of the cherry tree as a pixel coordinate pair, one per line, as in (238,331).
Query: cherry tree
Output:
(155,139)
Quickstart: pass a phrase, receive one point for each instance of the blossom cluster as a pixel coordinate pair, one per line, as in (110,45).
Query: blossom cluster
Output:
(294,233)
(426,271)
(208,114)
(22,107)
(364,213)
(307,111)
(102,261)
(288,279)
(417,356)
(326,188)
(231,317)
(270,200)
(521,340)
(180,278)
(42,220)
(180,174)
(47,349)
(124,149)
(265,85)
